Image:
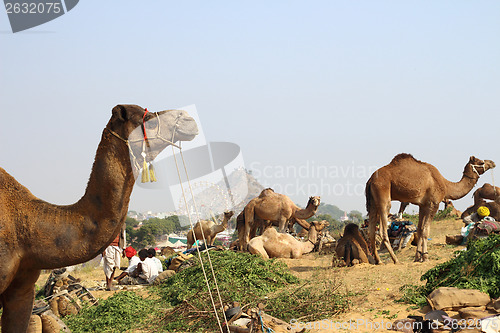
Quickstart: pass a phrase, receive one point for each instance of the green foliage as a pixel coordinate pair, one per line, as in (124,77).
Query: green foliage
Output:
(119,313)
(411,218)
(333,224)
(247,279)
(476,268)
(443,214)
(151,230)
(332,210)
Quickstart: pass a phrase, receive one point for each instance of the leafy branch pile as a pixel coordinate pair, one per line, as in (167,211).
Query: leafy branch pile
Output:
(476,268)
(249,280)
(119,313)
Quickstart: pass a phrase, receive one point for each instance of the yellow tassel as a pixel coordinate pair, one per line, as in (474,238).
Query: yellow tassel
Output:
(152,175)
(145,172)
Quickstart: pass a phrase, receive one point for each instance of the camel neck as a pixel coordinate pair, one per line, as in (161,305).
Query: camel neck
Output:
(458,190)
(306,213)
(84,229)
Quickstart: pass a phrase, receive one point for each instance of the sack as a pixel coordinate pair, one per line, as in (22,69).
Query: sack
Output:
(177,261)
(450,298)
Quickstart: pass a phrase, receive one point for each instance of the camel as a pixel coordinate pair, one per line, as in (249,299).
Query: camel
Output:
(454,211)
(272,244)
(352,246)
(209,228)
(258,227)
(408,180)
(275,207)
(36,235)
(493,206)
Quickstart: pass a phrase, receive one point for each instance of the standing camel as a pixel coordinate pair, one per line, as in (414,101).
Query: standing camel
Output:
(271,206)
(36,235)
(408,180)
(209,228)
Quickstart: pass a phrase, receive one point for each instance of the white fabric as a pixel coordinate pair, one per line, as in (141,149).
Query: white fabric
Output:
(158,264)
(149,270)
(111,258)
(132,264)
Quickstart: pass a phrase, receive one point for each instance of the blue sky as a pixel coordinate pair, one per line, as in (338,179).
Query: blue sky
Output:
(341,85)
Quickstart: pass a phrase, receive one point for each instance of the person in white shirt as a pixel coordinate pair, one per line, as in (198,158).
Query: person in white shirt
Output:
(152,255)
(133,260)
(144,273)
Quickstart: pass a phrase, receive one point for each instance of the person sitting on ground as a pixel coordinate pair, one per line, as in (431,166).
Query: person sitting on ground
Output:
(152,255)
(146,271)
(481,213)
(133,260)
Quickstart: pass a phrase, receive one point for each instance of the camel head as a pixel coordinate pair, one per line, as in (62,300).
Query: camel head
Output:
(479,166)
(228,215)
(315,201)
(320,225)
(154,130)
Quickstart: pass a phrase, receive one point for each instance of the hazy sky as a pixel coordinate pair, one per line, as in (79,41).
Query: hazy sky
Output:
(317,94)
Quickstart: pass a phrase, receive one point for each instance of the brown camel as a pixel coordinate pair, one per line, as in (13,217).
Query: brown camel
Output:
(259,226)
(407,180)
(209,228)
(353,246)
(493,207)
(488,192)
(36,235)
(272,244)
(275,207)
(453,212)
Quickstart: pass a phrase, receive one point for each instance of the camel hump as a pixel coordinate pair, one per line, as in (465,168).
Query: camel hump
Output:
(403,157)
(266,192)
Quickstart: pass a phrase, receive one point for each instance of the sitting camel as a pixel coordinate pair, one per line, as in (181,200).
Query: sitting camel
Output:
(493,207)
(209,228)
(259,226)
(275,207)
(36,235)
(352,246)
(272,244)
(408,180)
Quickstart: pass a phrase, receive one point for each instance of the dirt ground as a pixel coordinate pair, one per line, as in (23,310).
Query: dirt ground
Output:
(375,287)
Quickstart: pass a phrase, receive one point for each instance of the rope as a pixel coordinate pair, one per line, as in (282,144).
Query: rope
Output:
(208,252)
(493,183)
(262,327)
(204,240)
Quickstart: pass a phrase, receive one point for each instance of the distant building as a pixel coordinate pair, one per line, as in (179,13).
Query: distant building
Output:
(344,218)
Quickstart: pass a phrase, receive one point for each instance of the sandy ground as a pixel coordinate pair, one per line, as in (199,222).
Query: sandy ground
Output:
(375,287)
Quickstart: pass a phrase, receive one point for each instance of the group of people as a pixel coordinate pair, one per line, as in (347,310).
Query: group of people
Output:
(143,267)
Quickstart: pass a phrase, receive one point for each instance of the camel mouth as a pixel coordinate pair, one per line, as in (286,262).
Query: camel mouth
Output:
(490,164)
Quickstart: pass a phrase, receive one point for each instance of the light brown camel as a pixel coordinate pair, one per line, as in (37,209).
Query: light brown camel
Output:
(407,180)
(493,207)
(487,191)
(353,246)
(271,206)
(272,244)
(259,226)
(209,228)
(36,235)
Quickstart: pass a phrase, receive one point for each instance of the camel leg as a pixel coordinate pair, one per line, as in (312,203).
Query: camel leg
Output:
(385,235)
(426,228)
(17,302)
(372,227)
(282,224)
(258,249)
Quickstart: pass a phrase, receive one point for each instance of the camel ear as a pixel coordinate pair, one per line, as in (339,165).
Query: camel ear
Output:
(472,159)
(120,112)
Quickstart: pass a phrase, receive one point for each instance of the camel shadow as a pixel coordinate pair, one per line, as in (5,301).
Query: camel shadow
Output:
(306,269)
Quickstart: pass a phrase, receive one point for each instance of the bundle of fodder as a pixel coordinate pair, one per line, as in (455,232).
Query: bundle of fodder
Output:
(478,267)
(247,279)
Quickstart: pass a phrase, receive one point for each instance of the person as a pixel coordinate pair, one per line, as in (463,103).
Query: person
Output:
(152,255)
(111,256)
(145,272)
(133,260)
(481,213)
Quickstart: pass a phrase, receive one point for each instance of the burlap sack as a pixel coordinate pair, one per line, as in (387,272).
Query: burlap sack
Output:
(163,276)
(475,312)
(49,324)
(450,298)
(35,325)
